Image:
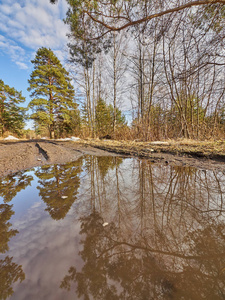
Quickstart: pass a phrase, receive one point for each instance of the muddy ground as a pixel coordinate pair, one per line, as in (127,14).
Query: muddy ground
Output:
(21,155)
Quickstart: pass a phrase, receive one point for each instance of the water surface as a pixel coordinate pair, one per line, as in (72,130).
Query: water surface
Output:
(112,228)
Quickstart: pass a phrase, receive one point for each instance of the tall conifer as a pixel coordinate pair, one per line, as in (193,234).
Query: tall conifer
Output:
(52,93)
(11,114)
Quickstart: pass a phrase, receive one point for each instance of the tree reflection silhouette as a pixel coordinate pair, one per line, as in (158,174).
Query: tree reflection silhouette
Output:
(167,244)
(204,277)
(106,163)
(112,269)
(58,187)
(5,232)
(10,272)
(13,184)
(121,269)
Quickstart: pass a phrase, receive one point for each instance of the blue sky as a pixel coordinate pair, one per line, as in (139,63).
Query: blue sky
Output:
(25,26)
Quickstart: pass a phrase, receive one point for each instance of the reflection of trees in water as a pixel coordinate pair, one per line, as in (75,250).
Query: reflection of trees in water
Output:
(132,269)
(165,239)
(58,187)
(106,163)
(176,200)
(10,272)
(204,276)
(96,187)
(6,233)
(13,184)
(112,269)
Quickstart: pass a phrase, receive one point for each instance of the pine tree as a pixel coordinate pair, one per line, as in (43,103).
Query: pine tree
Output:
(120,119)
(103,118)
(52,93)
(12,116)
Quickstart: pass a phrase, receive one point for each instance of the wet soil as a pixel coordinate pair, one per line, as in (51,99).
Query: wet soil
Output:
(21,155)
(202,155)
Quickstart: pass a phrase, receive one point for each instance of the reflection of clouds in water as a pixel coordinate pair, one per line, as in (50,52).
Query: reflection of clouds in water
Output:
(153,205)
(46,249)
(31,215)
(35,205)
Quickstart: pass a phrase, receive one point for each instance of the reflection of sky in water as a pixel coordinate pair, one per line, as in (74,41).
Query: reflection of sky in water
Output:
(46,252)
(157,205)
(26,199)
(44,247)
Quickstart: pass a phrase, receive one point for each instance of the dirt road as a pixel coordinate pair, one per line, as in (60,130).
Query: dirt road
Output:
(21,155)
(15,156)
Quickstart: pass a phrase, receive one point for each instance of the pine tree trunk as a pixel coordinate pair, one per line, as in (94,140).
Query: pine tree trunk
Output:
(52,132)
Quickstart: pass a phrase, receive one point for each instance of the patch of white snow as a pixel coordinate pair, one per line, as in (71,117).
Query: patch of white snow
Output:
(10,137)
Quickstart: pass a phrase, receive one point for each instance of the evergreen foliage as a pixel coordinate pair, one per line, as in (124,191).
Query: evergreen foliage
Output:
(103,118)
(120,118)
(104,115)
(173,59)
(52,94)
(56,182)
(12,116)
(83,49)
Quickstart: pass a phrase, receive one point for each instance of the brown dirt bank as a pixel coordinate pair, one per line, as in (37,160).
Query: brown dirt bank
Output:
(199,154)
(21,155)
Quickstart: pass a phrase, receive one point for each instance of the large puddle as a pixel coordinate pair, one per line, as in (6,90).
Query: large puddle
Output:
(112,228)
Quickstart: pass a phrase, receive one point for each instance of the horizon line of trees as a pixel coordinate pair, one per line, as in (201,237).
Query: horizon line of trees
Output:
(170,70)
(165,57)
(54,108)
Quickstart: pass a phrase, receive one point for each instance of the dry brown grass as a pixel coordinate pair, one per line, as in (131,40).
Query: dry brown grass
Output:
(209,149)
(185,147)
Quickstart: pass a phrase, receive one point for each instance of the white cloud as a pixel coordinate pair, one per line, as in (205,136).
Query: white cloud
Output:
(22,65)
(46,249)
(17,53)
(62,56)
(33,24)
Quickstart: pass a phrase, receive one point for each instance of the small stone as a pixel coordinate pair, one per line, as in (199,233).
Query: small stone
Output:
(105,224)
(64,197)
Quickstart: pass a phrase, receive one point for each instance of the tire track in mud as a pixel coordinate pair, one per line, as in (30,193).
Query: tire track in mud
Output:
(42,151)
(24,155)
